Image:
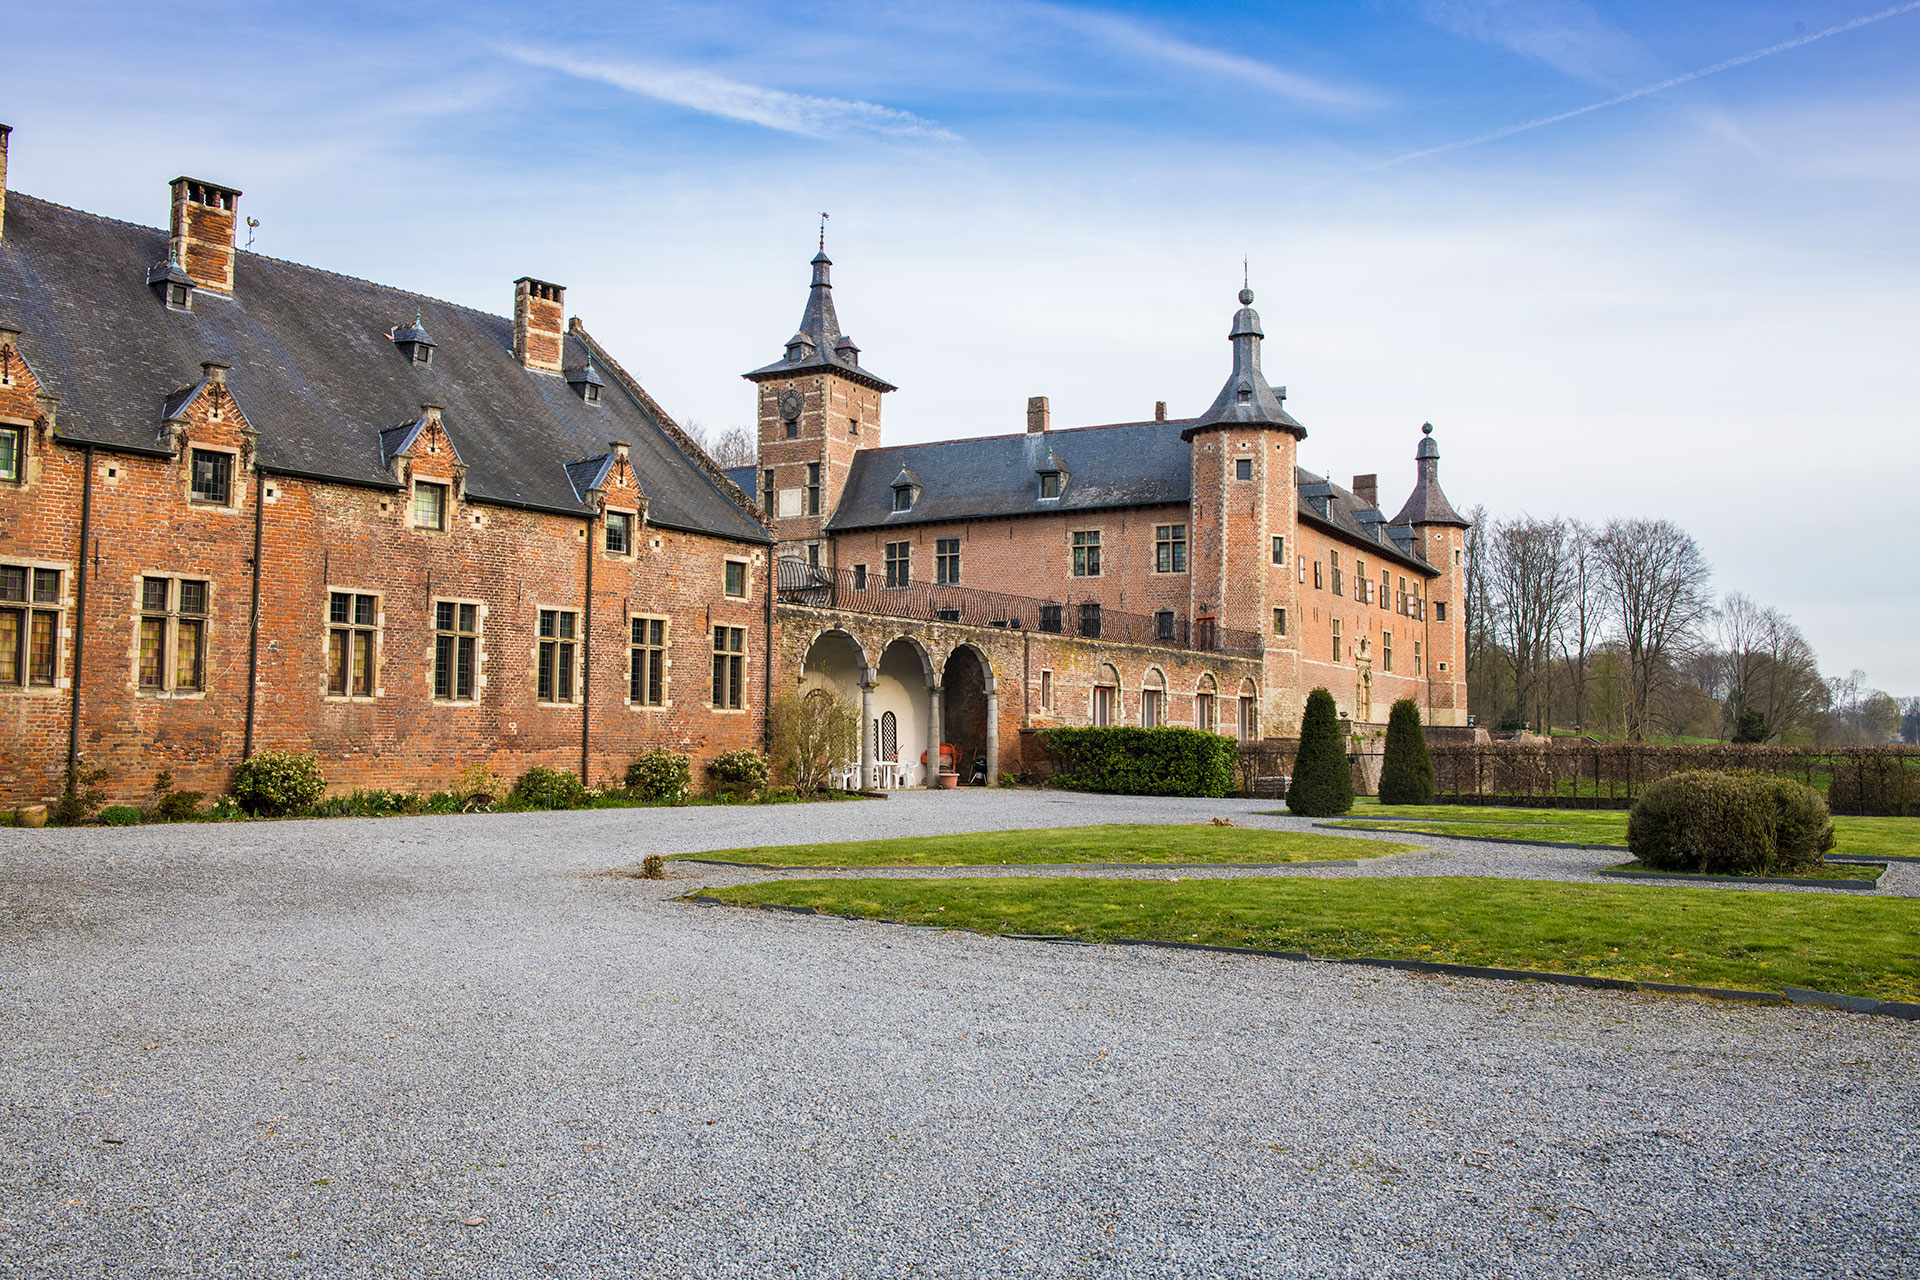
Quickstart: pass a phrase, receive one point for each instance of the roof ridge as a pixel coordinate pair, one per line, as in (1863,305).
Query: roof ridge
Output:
(1021,435)
(267,257)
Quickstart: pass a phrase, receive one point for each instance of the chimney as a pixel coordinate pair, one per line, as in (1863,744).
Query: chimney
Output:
(6,130)
(1367,489)
(1159,410)
(200,232)
(1039,417)
(538,331)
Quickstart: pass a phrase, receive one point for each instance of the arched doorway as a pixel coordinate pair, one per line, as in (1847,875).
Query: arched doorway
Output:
(902,686)
(1249,710)
(965,689)
(1205,710)
(1153,699)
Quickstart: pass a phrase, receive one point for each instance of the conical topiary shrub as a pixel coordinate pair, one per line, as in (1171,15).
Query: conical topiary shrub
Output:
(1322,785)
(1406,775)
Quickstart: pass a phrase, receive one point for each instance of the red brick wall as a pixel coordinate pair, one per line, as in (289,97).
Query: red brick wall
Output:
(317,536)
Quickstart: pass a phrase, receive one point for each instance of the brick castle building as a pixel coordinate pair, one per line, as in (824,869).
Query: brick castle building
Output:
(247,504)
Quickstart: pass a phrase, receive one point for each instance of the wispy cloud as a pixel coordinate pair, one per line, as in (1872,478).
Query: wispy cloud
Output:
(1567,35)
(1643,91)
(716,95)
(1154,44)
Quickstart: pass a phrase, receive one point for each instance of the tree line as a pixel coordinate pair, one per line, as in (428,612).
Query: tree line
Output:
(1614,630)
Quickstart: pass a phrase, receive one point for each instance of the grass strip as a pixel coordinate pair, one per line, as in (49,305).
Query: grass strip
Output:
(1646,933)
(1853,837)
(1130,843)
(1832,871)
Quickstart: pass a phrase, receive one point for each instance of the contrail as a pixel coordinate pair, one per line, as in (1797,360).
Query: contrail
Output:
(1642,92)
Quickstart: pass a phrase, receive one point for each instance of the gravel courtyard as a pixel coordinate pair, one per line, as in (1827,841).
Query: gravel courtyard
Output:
(324,1048)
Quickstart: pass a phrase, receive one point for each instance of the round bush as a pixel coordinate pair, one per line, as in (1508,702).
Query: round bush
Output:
(543,788)
(275,783)
(120,815)
(1406,775)
(1322,785)
(1730,823)
(660,775)
(741,773)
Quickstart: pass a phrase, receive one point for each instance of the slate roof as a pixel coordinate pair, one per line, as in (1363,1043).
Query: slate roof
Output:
(314,371)
(1427,504)
(825,347)
(1132,464)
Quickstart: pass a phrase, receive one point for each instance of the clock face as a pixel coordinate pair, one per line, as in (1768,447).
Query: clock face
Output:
(790,404)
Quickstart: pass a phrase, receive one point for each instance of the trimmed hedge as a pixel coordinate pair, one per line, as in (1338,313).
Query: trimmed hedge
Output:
(1123,760)
(1733,823)
(1406,775)
(1322,785)
(660,774)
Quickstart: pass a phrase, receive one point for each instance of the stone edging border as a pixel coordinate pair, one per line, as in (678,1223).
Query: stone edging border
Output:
(1790,995)
(1685,877)
(1006,866)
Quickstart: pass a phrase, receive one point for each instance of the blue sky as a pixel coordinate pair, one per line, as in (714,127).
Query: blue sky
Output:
(1616,285)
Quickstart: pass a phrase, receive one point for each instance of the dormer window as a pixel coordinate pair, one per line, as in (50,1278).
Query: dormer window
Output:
(590,394)
(179,297)
(586,381)
(171,282)
(414,343)
(903,497)
(421,353)
(1049,484)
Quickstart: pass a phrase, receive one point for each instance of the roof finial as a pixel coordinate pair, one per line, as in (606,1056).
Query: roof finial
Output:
(1246,292)
(416,317)
(1427,429)
(823,233)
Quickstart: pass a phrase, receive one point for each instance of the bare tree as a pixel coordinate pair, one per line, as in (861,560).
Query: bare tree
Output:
(1585,613)
(1910,722)
(731,447)
(1527,574)
(1482,648)
(1772,679)
(1655,582)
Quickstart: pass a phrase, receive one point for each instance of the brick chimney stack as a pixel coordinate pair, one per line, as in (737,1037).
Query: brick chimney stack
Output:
(1367,489)
(1159,410)
(1039,417)
(539,331)
(6,131)
(200,232)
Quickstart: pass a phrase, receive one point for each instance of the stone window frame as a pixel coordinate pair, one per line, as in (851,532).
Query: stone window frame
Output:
(736,702)
(377,631)
(1047,687)
(169,618)
(1085,558)
(445,490)
(1106,680)
(1386,650)
(946,561)
(22,433)
(1280,621)
(810,499)
(576,642)
(1206,698)
(1166,623)
(637,648)
(479,637)
(1170,546)
(1246,725)
(26,609)
(746,577)
(1154,696)
(1280,549)
(232,503)
(632,515)
(860,577)
(1244,464)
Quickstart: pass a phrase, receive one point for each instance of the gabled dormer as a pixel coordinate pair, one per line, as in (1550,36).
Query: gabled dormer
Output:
(608,483)
(205,428)
(586,381)
(171,284)
(414,343)
(26,412)
(1052,473)
(906,490)
(424,462)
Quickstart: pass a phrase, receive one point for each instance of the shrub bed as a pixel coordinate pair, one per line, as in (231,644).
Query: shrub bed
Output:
(543,788)
(276,783)
(1740,823)
(740,774)
(660,775)
(1126,761)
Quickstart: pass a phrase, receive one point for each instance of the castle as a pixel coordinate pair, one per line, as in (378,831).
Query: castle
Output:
(247,504)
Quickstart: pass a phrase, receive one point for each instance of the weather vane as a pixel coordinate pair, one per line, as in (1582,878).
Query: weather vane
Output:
(253,224)
(823,232)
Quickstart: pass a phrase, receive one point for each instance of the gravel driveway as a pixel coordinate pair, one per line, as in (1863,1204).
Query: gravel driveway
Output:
(321,1048)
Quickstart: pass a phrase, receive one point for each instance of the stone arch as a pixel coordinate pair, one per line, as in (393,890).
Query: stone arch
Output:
(1206,702)
(835,657)
(1105,703)
(1153,697)
(903,683)
(968,711)
(1247,723)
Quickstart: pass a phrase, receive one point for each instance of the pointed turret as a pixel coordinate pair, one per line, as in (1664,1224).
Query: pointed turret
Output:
(818,343)
(1246,399)
(1427,504)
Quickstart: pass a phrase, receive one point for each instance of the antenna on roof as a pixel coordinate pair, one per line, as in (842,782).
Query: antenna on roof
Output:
(252,225)
(823,233)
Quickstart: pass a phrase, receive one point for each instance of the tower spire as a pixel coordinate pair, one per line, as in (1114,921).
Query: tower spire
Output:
(1246,399)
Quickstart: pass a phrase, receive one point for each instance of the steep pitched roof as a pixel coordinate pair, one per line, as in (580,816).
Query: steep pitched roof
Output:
(819,344)
(321,379)
(1427,504)
(1134,464)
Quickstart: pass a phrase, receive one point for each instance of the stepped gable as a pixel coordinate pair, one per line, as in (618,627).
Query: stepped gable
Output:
(314,360)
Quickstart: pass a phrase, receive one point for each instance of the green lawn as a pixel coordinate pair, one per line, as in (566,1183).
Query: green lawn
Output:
(1132,843)
(1832,871)
(1650,933)
(1854,837)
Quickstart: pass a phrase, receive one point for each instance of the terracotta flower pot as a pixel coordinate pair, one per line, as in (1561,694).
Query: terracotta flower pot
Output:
(948,781)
